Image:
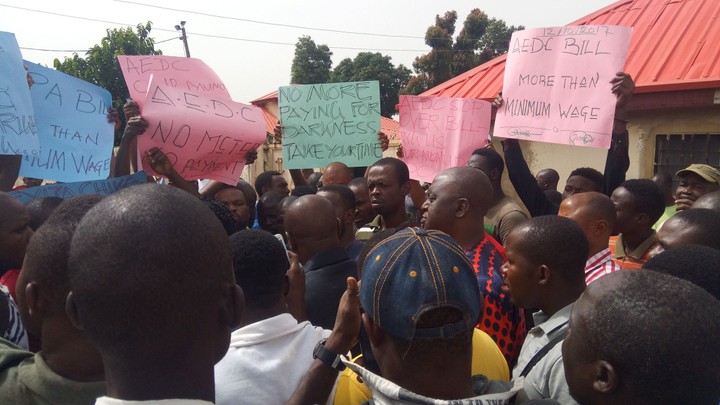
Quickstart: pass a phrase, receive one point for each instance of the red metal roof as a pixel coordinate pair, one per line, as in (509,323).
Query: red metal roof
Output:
(264,99)
(270,121)
(675,46)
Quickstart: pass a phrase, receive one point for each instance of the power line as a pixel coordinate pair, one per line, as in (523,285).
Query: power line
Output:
(222,36)
(271,23)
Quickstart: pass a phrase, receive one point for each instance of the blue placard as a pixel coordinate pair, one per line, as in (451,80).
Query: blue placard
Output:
(18,132)
(75,138)
(70,190)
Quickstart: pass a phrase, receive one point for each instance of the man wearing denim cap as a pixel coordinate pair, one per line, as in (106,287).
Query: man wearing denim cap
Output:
(696,180)
(421,301)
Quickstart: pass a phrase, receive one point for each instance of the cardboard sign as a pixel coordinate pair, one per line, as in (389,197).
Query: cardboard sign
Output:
(441,132)
(18,129)
(188,74)
(76,139)
(70,190)
(557,84)
(331,122)
(203,137)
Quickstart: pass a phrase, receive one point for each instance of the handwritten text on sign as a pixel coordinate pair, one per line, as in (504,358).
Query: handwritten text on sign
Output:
(70,190)
(332,122)
(75,137)
(557,84)
(188,74)
(18,132)
(441,132)
(203,137)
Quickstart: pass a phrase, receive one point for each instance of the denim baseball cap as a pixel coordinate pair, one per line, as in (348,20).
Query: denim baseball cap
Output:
(413,271)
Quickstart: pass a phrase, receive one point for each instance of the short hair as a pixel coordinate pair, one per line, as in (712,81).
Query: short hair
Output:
(358,181)
(46,259)
(260,265)
(660,333)
(550,174)
(556,242)
(665,178)
(591,174)
(223,214)
(146,277)
(694,263)
(346,195)
(264,179)
(647,197)
(300,191)
(401,169)
(250,198)
(493,158)
(706,224)
(40,209)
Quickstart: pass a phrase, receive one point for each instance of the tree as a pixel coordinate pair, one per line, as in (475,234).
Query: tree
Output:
(480,40)
(311,63)
(375,66)
(100,65)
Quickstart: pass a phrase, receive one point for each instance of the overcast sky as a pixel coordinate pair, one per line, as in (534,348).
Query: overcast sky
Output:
(252,69)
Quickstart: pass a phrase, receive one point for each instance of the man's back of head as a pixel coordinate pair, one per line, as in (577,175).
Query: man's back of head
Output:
(420,293)
(152,286)
(548,179)
(311,226)
(642,337)
(595,213)
(710,201)
(695,263)
(698,226)
(337,173)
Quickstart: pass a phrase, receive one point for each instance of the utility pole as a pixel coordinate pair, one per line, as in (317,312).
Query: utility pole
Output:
(183,38)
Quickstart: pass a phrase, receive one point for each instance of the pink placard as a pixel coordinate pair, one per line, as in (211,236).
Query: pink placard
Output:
(203,137)
(557,84)
(171,71)
(441,132)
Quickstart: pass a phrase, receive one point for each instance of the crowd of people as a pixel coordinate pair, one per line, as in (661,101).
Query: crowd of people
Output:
(361,285)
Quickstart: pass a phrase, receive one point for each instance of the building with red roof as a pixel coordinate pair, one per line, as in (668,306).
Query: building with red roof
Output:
(674,58)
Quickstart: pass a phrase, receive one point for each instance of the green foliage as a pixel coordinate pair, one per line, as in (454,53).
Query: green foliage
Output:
(311,63)
(480,40)
(375,66)
(100,65)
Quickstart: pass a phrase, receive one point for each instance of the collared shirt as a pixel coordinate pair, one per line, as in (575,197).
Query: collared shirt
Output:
(115,401)
(503,321)
(266,360)
(635,258)
(599,265)
(546,380)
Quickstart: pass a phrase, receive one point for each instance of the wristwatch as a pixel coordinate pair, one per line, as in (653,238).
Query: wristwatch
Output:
(326,356)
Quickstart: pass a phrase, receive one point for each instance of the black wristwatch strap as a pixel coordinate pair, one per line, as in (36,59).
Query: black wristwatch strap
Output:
(326,356)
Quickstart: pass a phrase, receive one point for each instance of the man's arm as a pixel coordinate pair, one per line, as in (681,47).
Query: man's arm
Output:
(524,182)
(316,386)
(618,158)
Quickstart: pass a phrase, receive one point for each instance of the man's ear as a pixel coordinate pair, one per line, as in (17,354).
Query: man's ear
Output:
(606,378)
(235,305)
(33,300)
(601,227)
(349,216)
(374,333)
(543,273)
(406,188)
(642,218)
(72,311)
(462,207)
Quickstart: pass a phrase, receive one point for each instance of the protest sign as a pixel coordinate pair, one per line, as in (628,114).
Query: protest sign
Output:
(441,132)
(70,190)
(75,136)
(331,122)
(557,84)
(188,74)
(18,131)
(203,137)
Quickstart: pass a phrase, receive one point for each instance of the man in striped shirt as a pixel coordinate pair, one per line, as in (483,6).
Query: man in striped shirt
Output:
(595,213)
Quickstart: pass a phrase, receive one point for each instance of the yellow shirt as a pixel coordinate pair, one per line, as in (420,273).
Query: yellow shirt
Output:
(487,360)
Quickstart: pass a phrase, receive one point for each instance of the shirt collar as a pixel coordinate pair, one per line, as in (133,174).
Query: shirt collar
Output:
(550,324)
(639,251)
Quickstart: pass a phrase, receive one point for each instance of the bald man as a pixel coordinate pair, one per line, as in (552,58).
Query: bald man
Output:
(547,179)
(456,203)
(336,173)
(595,213)
(313,232)
(710,201)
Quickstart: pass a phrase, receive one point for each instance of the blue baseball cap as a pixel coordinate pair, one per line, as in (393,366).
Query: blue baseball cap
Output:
(413,271)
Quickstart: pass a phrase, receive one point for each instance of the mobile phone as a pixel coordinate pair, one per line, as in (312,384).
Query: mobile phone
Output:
(282,242)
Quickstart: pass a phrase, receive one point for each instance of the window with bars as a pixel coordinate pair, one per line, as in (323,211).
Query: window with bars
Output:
(674,152)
